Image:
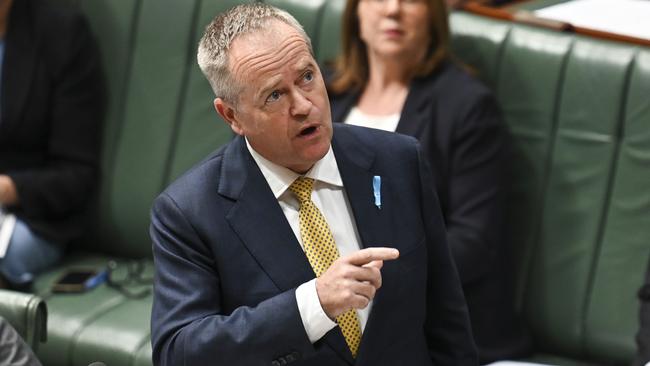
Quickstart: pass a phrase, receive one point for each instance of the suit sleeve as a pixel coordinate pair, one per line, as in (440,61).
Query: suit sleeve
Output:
(189,325)
(447,327)
(69,173)
(475,206)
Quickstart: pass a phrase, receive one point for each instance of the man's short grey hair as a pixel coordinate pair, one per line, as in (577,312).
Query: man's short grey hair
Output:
(214,46)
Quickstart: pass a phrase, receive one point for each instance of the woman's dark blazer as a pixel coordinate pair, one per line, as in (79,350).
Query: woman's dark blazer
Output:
(50,116)
(458,124)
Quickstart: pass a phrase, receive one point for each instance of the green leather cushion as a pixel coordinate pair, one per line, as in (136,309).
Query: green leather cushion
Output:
(27,313)
(575,199)
(113,25)
(478,42)
(612,317)
(145,61)
(200,129)
(99,325)
(578,206)
(528,87)
(156,81)
(329,35)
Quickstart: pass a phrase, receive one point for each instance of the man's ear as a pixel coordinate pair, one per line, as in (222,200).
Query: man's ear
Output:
(227,112)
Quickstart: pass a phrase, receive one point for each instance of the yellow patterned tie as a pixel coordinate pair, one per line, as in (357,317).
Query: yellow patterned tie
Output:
(322,252)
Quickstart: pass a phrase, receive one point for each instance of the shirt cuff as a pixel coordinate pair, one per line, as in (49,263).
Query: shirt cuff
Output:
(314,319)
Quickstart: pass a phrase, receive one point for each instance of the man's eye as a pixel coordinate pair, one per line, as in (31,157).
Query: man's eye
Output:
(309,76)
(274,96)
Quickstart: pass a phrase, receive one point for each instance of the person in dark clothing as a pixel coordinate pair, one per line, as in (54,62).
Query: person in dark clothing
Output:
(51,106)
(396,73)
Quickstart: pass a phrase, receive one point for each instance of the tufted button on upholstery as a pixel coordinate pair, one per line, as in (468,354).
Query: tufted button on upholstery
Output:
(275,363)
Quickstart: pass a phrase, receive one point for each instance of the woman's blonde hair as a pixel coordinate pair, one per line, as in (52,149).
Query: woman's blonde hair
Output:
(351,66)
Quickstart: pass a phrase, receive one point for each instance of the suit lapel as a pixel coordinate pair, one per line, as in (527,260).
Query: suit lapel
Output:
(414,117)
(355,164)
(20,57)
(259,221)
(375,226)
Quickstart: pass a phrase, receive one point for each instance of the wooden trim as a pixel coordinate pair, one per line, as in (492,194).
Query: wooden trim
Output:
(612,36)
(526,17)
(487,11)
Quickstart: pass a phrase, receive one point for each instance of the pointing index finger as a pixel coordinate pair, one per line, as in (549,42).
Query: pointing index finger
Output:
(367,255)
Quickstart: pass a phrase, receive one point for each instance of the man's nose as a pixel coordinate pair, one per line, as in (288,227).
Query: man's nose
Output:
(300,104)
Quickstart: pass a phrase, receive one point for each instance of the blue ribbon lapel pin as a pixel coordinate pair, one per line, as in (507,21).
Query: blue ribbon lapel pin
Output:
(376,189)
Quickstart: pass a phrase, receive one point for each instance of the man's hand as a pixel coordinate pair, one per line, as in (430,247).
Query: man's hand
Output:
(351,281)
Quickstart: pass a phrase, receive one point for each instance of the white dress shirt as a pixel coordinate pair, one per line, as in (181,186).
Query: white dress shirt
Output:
(386,123)
(330,198)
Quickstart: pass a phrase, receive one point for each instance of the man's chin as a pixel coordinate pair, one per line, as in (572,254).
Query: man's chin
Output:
(307,161)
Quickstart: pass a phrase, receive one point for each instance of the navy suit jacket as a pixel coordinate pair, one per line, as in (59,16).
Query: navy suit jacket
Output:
(228,263)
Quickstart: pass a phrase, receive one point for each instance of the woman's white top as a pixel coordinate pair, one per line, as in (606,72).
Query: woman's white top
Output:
(386,123)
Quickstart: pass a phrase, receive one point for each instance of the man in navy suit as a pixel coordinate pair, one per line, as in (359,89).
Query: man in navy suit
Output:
(235,270)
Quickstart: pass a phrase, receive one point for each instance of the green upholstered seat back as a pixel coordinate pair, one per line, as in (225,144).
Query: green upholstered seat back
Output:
(158,100)
(625,234)
(531,117)
(578,113)
(200,130)
(328,38)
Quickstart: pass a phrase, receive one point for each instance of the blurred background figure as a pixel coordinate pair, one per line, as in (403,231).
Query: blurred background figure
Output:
(396,73)
(51,101)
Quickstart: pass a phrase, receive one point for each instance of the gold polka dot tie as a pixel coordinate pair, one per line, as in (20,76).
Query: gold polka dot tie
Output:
(322,252)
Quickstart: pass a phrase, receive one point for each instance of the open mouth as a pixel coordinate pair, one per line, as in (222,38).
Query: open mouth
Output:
(308,131)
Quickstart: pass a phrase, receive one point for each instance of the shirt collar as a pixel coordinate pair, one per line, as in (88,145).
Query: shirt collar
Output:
(280,178)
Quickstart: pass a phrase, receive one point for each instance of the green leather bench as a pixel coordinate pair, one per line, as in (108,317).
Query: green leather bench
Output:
(579,117)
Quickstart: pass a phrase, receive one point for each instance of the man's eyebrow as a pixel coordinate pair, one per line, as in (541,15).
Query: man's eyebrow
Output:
(301,67)
(268,87)
(304,65)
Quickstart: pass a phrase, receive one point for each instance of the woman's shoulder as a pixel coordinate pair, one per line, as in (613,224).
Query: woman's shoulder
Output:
(452,80)
(455,93)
